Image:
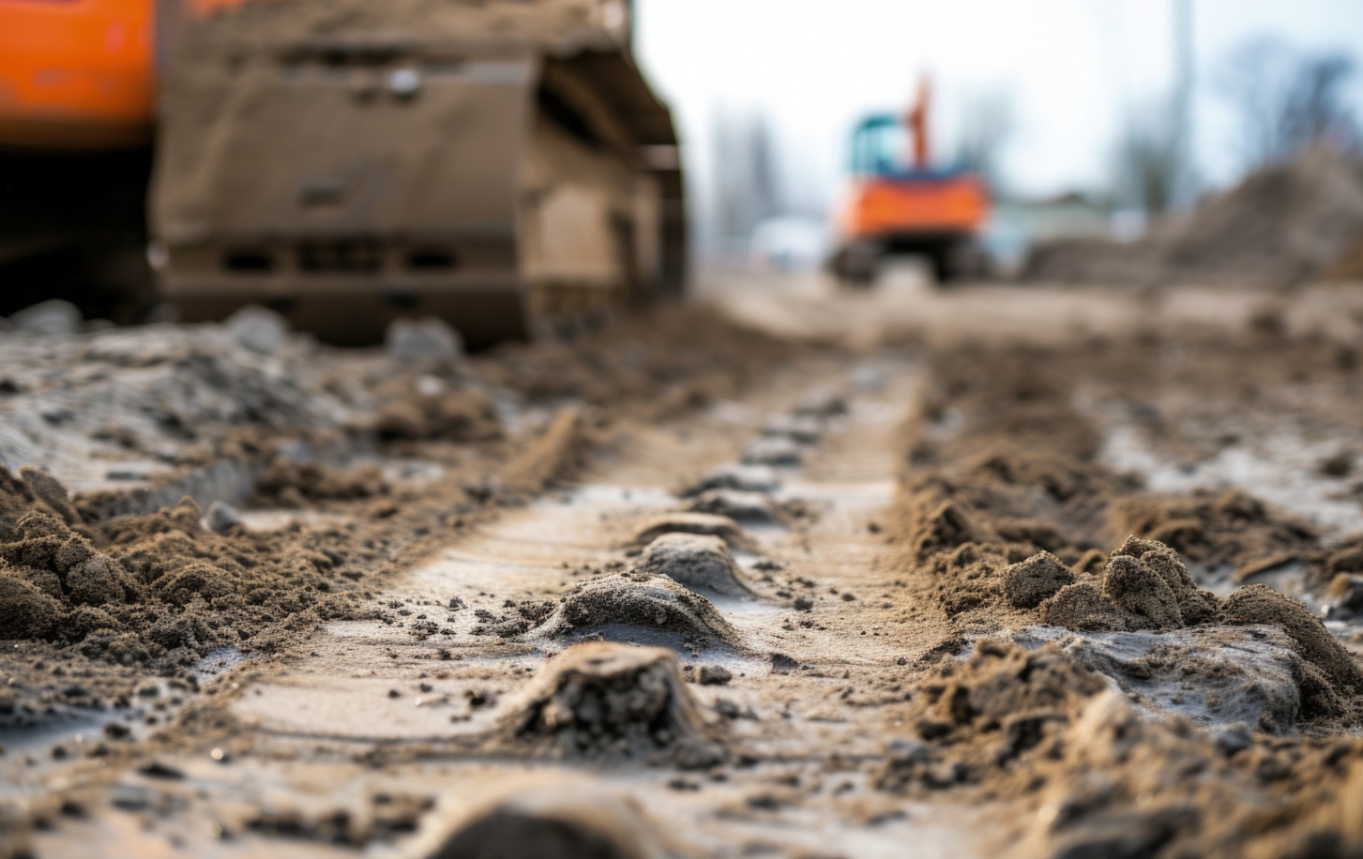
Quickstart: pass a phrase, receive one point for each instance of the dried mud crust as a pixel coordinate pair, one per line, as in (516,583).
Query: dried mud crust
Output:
(613,702)
(1005,523)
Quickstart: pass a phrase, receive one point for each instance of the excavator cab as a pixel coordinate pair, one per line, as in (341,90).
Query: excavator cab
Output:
(901,203)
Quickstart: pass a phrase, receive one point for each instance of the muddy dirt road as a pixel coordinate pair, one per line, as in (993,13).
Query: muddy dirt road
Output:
(992,571)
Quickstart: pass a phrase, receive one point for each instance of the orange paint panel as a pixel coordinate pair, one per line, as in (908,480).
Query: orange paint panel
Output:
(76,72)
(883,206)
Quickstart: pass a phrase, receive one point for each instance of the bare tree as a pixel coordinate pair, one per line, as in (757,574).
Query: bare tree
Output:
(1287,101)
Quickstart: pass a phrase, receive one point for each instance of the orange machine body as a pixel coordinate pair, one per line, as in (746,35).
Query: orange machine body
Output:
(82,74)
(77,73)
(917,204)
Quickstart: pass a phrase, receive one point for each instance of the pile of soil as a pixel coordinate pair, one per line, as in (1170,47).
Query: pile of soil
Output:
(614,702)
(705,524)
(161,588)
(535,820)
(1284,225)
(996,705)
(695,561)
(638,604)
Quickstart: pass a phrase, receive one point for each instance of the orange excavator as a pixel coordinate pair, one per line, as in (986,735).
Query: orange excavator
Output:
(901,203)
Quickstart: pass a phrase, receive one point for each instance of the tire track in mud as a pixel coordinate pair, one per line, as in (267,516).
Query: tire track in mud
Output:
(413,706)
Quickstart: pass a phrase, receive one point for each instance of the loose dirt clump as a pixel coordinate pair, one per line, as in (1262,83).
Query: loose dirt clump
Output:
(1035,579)
(638,605)
(466,415)
(25,610)
(990,708)
(773,450)
(534,821)
(696,562)
(743,478)
(706,524)
(613,702)
(288,483)
(739,506)
(1232,527)
(1257,604)
(1144,585)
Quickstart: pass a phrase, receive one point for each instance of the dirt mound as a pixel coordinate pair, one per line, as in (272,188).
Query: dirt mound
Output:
(743,478)
(696,562)
(136,588)
(996,705)
(613,702)
(739,506)
(289,483)
(572,820)
(1102,779)
(1035,579)
(1281,226)
(1257,604)
(805,429)
(1144,585)
(637,605)
(1233,526)
(773,450)
(25,610)
(428,412)
(705,524)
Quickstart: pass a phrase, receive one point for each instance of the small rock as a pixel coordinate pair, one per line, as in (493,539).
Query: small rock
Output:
(531,819)
(715,675)
(52,318)
(1338,465)
(258,329)
(428,340)
(221,517)
(867,379)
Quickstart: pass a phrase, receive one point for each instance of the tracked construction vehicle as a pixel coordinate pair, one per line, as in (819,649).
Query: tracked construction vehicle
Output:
(901,203)
(501,165)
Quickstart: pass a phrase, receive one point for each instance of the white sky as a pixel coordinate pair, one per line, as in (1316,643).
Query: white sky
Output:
(1070,68)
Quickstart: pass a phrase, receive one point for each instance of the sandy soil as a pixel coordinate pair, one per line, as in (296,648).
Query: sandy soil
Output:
(995,570)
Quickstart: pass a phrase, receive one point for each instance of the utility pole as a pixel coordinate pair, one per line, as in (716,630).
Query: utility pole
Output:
(1184,176)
